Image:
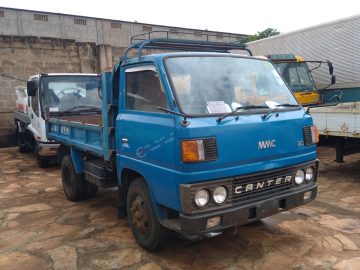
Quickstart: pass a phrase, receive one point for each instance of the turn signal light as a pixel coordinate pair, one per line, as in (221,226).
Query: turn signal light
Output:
(213,222)
(314,134)
(307,195)
(193,150)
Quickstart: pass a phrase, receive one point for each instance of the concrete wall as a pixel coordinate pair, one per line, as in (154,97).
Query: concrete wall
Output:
(21,57)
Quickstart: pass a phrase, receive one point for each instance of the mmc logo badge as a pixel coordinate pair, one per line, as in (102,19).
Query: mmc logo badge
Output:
(266,144)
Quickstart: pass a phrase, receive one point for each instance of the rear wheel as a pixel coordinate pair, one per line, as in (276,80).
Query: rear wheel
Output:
(145,226)
(74,184)
(21,143)
(43,162)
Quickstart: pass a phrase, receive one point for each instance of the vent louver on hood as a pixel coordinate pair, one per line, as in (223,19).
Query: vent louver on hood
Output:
(210,149)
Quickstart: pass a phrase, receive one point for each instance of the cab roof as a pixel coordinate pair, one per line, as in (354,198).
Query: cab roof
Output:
(161,56)
(285,57)
(144,41)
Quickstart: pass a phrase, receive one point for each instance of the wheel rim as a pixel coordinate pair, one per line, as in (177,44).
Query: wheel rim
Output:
(140,215)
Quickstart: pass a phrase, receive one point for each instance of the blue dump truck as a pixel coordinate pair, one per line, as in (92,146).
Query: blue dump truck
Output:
(196,140)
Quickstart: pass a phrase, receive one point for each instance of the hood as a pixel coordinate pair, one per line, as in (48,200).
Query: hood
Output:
(251,144)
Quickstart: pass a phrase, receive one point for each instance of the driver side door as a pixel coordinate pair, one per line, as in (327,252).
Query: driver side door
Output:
(145,134)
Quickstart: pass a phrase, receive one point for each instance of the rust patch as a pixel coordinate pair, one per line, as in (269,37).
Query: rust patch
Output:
(84,119)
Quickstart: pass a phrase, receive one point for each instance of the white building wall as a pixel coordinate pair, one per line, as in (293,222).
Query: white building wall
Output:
(100,31)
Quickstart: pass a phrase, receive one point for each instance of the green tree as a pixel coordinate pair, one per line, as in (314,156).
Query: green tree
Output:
(268,32)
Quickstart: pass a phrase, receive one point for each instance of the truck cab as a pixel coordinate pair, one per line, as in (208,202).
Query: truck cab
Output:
(297,74)
(196,141)
(53,92)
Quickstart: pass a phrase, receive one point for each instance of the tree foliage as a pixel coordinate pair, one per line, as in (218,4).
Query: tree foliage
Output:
(268,32)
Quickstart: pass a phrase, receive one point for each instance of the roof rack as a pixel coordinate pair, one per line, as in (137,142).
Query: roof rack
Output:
(145,41)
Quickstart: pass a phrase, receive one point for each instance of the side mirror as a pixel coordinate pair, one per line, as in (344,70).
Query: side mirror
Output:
(333,79)
(100,87)
(331,68)
(31,88)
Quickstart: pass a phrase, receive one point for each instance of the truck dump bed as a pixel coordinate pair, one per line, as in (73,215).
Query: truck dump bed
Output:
(88,119)
(93,133)
(82,132)
(342,120)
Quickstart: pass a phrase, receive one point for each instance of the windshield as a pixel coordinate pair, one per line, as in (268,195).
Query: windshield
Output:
(213,85)
(297,75)
(62,93)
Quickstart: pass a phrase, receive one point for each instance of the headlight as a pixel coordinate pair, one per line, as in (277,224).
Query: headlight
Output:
(309,173)
(220,194)
(201,197)
(299,177)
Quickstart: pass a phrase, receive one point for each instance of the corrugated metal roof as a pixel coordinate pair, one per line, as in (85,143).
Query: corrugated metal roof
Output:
(338,41)
(322,25)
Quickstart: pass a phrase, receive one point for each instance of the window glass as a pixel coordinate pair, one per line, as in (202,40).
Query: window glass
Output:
(66,92)
(210,85)
(143,90)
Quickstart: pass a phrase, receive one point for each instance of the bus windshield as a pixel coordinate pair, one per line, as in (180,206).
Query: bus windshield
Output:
(62,93)
(297,76)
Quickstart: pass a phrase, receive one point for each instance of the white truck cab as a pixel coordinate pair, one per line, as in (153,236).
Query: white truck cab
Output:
(46,93)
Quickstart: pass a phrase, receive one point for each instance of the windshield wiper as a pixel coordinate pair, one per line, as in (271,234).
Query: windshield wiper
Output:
(264,116)
(184,122)
(249,107)
(81,108)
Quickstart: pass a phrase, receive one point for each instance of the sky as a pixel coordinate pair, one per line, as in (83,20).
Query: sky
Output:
(242,17)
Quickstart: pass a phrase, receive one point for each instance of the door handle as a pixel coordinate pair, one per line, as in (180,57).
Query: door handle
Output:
(32,116)
(124,140)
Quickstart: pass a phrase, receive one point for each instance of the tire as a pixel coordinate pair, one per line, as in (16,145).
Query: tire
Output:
(74,184)
(91,190)
(255,223)
(43,162)
(145,226)
(22,147)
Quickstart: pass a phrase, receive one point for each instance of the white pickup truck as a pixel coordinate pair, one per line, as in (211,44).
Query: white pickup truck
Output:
(50,93)
(342,122)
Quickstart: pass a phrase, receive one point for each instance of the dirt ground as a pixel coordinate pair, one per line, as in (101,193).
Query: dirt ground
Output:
(40,229)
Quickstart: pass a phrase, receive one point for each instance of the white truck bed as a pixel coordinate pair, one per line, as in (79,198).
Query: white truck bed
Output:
(342,120)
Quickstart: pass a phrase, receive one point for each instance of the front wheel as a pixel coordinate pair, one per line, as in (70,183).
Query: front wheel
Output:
(22,147)
(74,184)
(91,190)
(145,226)
(43,162)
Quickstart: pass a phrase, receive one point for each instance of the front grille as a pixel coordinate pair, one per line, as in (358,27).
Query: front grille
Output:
(307,135)
(210,149)
(284,176)
(251,186)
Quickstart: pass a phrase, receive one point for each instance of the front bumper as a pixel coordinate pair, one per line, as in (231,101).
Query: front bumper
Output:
(196,225)
(48,149)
